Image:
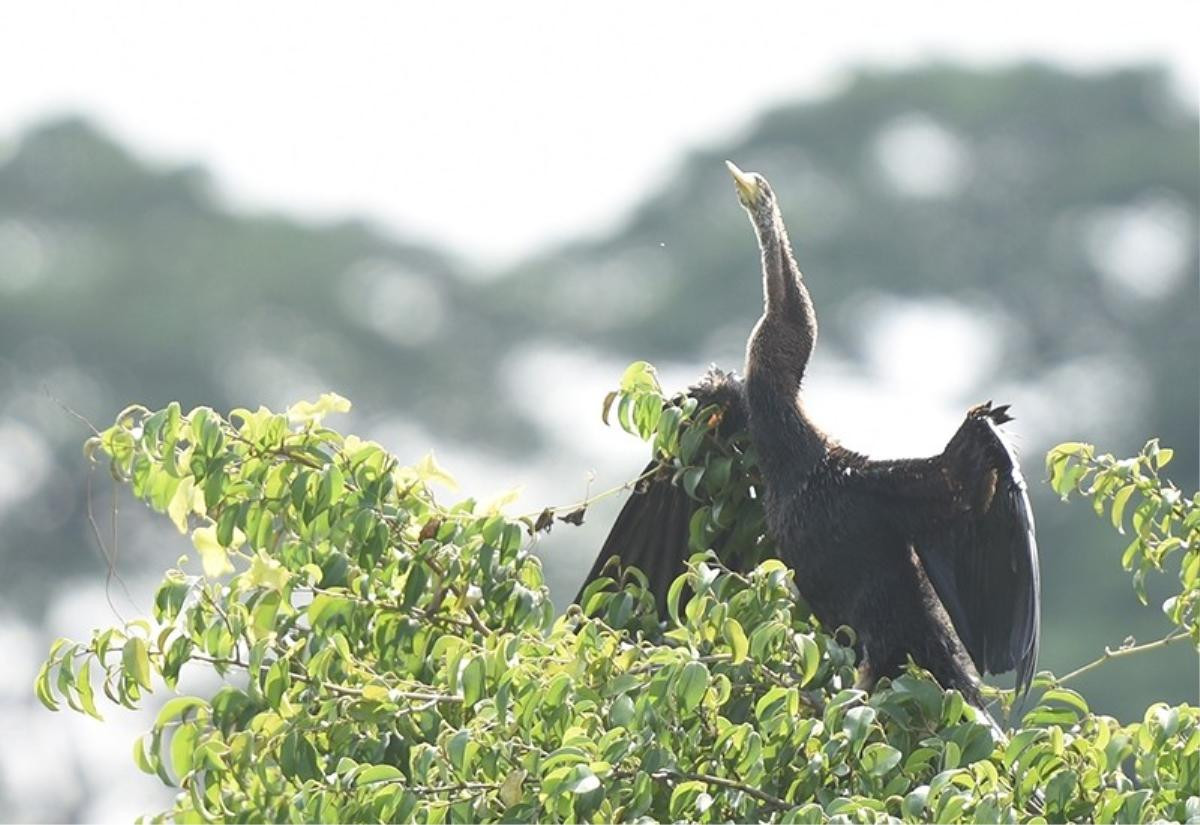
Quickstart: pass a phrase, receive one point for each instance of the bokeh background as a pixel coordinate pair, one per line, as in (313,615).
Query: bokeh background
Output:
(469,219)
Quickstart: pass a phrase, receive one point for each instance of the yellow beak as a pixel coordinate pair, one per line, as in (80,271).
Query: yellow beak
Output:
(747,188)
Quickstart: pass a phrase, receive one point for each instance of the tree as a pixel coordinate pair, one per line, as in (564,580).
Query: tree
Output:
(387,657)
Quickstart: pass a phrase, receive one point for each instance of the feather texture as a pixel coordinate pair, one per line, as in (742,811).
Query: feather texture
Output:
(932,559)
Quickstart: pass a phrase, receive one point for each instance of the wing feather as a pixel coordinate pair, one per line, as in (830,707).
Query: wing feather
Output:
(651,531)
(982,559)
(651,534)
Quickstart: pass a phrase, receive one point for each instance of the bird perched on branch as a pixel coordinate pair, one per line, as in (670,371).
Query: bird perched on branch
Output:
(929,558)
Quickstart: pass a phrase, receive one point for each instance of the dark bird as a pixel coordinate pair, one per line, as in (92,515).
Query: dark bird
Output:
(929,558)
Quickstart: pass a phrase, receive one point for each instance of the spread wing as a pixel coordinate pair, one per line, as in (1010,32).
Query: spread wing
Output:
(968,517)
(651,531)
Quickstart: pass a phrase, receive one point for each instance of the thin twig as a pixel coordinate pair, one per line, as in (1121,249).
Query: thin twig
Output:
(440,789)
(733,785)
(476,622)
(114,546)
(343,690)
(73,413)
(389,607)
(109,567)
(110,557)
(652,666)
(1121,652)
(589,500)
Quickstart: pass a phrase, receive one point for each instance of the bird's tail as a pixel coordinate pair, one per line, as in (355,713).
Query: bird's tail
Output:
(999,736)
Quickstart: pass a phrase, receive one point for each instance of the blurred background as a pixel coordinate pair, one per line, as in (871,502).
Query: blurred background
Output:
(468,220)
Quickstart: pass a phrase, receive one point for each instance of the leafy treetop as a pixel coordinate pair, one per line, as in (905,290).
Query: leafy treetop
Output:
(388,657)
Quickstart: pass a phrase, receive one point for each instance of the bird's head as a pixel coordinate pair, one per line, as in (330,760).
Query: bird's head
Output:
(753,191)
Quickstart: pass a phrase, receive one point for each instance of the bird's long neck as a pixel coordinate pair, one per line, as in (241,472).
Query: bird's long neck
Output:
(787,443)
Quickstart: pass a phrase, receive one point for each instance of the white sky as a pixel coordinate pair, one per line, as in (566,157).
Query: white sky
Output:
(493,128)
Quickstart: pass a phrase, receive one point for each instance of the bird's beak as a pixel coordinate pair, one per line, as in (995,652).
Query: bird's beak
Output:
(747,188)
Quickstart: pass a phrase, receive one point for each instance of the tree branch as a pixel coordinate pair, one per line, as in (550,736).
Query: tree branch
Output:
(1122,652)
(731,784)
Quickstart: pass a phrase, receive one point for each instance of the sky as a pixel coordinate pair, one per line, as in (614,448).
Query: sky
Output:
(492,129)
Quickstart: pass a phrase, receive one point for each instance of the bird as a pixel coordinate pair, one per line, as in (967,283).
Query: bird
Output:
(932,560)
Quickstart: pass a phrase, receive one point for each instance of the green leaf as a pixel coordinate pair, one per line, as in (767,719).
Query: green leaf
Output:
(265,610)
(309,412)
(640,376)
(857,725)
(472,680)
(1070,448)
(267,572)
(667,438)
(213,556)
(877,758)
(1143,517)
(510,790)
(646,414)
(1059,791)
(42,687)
(771,703)
(683,800)
(1118,505)
(693,681)
(183,745)
(810,655)
(719,469)
(622,711)
(135,660)
(674,594)
(414,585)
(951,756)
(461,749)
(738,644)
(176,707)
(141,758)
(83,685)
(607,408)
(1069,479)
(690,441)
(326,609)
(557,690)
(582,780)
(180,505)
(430,472)
(1069,697)
(377,774)
(1020,742)
(699,530)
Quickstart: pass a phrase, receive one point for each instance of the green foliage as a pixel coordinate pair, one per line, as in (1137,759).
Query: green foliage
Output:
(716,468)
(392,658)
(1165,524)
